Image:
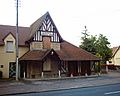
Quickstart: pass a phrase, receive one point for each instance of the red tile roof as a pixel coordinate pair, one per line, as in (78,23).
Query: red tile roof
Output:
(6,29)
(34,55)
(71,52)
(67,52)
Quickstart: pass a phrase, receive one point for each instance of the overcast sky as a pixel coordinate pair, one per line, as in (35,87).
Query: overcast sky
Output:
(70,16)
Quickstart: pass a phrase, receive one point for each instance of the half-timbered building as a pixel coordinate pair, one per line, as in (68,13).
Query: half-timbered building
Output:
(48,55)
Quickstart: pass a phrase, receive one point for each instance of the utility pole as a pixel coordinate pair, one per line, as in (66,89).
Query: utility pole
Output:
(17,53)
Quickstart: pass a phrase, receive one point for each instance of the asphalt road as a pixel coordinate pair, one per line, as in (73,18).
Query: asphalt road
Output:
(106,90)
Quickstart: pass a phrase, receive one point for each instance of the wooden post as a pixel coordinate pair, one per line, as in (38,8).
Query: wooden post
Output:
(59,74)
(24,75)
(86,74)
(71,75)
(42,75)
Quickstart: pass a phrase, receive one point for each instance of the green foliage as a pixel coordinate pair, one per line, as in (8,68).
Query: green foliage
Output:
(97,46)
(103,48)
(89,44)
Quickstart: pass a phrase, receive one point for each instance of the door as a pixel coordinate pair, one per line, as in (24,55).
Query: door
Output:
(12,69)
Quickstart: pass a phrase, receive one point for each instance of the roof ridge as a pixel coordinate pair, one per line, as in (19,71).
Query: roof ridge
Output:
(14,26)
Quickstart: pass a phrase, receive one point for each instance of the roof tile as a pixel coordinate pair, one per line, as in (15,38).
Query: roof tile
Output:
(67,52)
(6,29)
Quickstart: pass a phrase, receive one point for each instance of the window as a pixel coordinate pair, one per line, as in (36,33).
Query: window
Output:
(47,65)
(9,46)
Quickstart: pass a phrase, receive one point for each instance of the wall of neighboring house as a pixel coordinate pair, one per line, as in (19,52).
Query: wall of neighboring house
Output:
(9,56)
(116,58)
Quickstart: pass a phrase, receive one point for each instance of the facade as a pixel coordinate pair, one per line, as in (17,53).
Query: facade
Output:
(43,53)
(8,50)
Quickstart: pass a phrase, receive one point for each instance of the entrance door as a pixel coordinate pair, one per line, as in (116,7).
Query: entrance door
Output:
(12,69)
(72,68)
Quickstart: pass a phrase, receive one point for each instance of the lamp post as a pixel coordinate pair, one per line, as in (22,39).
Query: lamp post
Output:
(17,55)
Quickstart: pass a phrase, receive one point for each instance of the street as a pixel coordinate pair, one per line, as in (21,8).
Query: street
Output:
(105,90)
(72,86)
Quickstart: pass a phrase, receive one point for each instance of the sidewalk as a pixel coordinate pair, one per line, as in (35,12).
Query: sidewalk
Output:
(28,86)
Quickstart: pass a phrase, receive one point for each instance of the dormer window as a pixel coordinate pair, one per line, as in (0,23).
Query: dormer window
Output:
(9,46)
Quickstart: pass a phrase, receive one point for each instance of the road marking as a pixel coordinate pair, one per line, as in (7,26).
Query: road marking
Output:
(114,92)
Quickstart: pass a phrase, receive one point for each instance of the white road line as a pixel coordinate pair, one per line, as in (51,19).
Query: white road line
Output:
(114,92)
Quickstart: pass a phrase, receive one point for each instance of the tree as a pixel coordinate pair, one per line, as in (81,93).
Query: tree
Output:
(97,46)
(103,48)
(89,44)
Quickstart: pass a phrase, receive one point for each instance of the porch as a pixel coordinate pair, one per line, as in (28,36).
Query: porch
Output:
(56,69)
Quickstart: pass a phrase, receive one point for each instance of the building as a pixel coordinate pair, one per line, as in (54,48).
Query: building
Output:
(116,56)
(43,53)
(7,48)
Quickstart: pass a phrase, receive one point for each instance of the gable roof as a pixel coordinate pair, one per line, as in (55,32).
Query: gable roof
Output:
(37,54)
(71,52)
(7,29)
(9,34)
(67,52)
(25,33)
(36,25)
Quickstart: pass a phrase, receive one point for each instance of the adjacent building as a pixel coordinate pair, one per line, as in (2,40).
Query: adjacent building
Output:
(116,56)
(43,53)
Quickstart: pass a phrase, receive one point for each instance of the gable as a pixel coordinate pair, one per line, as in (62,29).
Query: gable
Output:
(117,53)
(9,37)
(114,50)
(5,30)
(44,27)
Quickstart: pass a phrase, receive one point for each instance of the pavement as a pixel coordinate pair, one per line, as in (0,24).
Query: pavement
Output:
(12,87)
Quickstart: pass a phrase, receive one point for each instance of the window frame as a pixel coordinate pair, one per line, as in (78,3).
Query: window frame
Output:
(8,45)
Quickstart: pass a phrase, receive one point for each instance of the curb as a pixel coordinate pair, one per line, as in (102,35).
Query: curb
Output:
(62,78)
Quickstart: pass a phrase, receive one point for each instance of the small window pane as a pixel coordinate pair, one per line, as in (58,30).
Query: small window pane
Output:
(9,46)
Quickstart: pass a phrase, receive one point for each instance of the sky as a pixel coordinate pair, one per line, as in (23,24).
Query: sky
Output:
(69,16)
